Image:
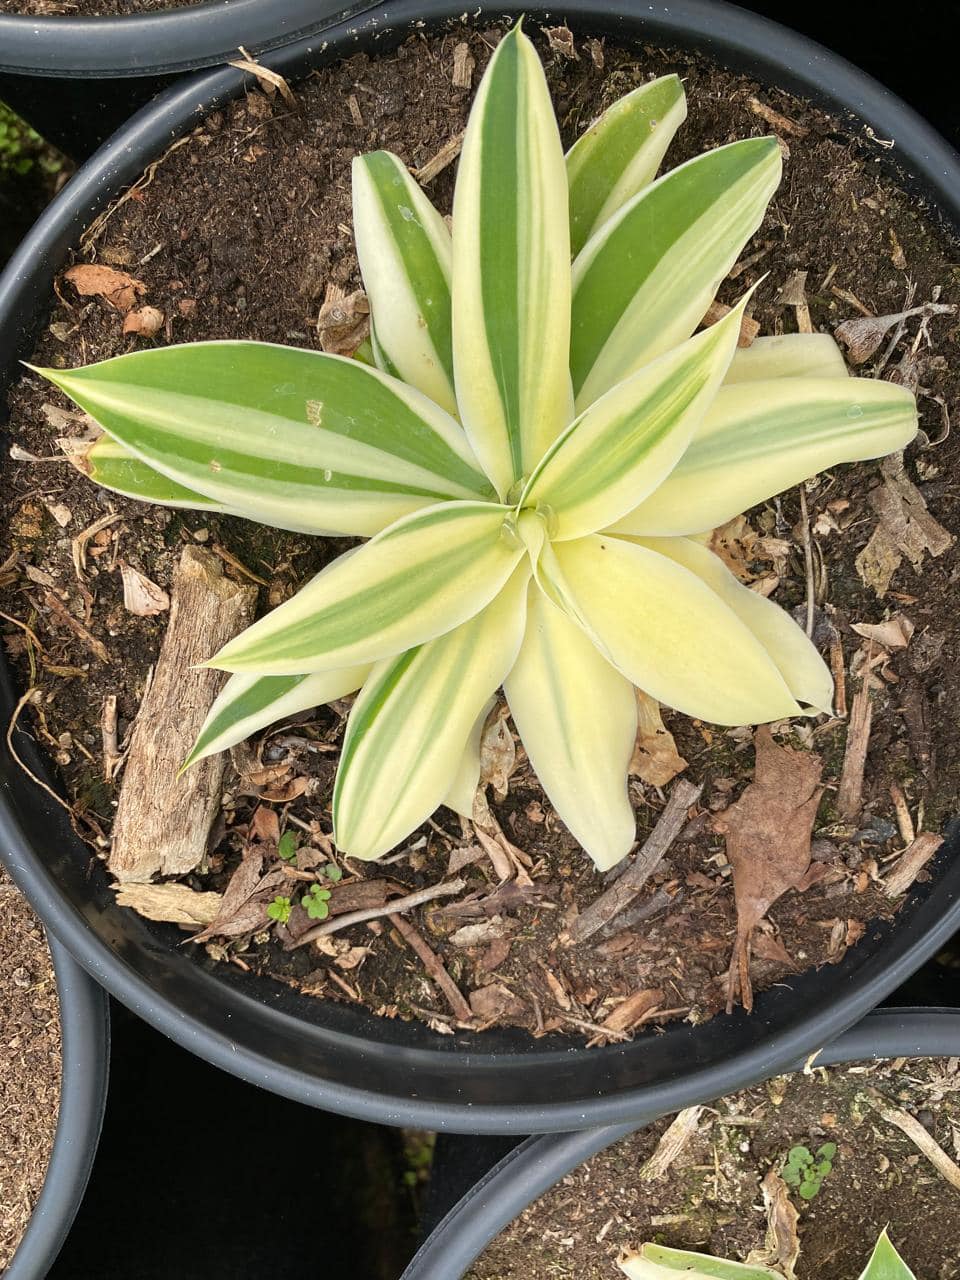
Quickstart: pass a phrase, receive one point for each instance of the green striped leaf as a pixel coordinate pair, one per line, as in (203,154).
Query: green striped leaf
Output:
(511,269)
(665,630)
(620,153)
(788,355)
(577,719)
(885,1263)
(463,788)
(294,439)
(112,466)
(759,438)
(805,673)
(656,1262)
(404,250)
(627,442)
(645,280)
(418,579)
(251,702)
(410,724)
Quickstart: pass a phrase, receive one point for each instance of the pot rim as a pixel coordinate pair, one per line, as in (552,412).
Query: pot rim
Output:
(383,1073)
(156,43)
(85,1031)
(539,1163)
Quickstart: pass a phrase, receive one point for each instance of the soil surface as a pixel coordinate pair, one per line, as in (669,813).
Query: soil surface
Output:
(240,231)
(29,1064)
(709,1198)
(89,8)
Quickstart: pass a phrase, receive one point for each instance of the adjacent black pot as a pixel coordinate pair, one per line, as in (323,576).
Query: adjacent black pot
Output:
(335,1056)
(538,1164)
(78,79)
(85,1026)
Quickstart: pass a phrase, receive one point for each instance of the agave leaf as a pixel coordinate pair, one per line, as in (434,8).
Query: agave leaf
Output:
(511,269)
(788,355)
(288,437)
(111,465)
(657,1262)
(577,719)
(620,153)
(806,674)
(463,788)
(251,702)
(418,579)
(630,440)
(759,438)
(665,630)
(404,250)
(885,1263)
(645,280)
(409,726)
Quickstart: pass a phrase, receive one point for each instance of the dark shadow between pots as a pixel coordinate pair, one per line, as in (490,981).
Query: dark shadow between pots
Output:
(339,1057)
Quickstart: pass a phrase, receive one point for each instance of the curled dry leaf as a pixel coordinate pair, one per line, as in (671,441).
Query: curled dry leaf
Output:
(171,903)
(767,834)
(498,756)
(781,1248)
(735,543)
(655,756)
(140,595)
(895,633)
(560,40)
(496,1002)
(863,335)
(144,322)
(905,528)
(243,908)
(343,322)
(118,288)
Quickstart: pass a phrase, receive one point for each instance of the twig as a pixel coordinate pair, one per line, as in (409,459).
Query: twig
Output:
(850,791)
(436,164)
(914,859)
(389,909)
(108,730)
(777,120)
(675,1138)
(23,627)
(28,697)
(232,560)
(96,647)
(902,810)
(807,560)
(918,1135)
(839,674)
(265,77)
(434,967)
(623,891)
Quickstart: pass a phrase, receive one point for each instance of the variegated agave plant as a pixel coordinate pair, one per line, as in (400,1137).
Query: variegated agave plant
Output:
(655,1262)
(533,458)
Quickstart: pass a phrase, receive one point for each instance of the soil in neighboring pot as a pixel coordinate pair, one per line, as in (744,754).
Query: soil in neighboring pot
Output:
(242,230)
(89,8)
(29,1064)
(31,172)
(709,1196)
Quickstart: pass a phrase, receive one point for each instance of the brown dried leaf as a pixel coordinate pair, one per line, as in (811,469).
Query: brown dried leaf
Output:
(496,1001)
(116,287)
(343,323)
(361,895)
(767,834)
(498,756)
(735,543)
(264,826)
(140,595)
(904,516)
(895,633)
(781,1248)
(560,40)
(144,322)
(878,561)
(243,908)
(655,756)
(173,903)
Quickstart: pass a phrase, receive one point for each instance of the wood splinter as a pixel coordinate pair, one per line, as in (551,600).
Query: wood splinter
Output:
(162,821)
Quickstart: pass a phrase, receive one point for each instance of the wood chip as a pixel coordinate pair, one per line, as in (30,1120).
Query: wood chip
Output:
(749,328)
(463,66)
(902,811)
(623,891)
(434,967)
(675,1138)
(343,323)
(141,596)
(850,790)
(444,157)
(144,322)
(354,107)
(162,821)
(779,122)
(108,731)
(918,1135)
(173,903)
(911,863)
(793,293)
(637,1008)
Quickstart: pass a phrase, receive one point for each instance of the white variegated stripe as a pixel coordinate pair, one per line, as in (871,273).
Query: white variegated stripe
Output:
(665,630)
(462,790)
(416,580)
(644,282)
(806,674)
(511,269)
(788,355)
(404,251)
(885,1262)
(620,153)
(577,719)
(656,1262)
(292,438)
(759,438)
(629,440)
(251,702)
(409,726)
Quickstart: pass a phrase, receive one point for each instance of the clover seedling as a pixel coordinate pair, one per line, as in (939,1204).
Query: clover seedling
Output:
(287,847)
(806,1172)
(279,909)
(315,901)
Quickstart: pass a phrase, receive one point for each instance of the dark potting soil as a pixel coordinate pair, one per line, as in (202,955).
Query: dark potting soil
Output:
(89,8)
(240,231)
(709,1197)
(29,1064)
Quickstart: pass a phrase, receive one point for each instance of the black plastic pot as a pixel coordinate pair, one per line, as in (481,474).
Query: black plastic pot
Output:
(337,1056)
(85,1026)
(78,79)
(538,1164)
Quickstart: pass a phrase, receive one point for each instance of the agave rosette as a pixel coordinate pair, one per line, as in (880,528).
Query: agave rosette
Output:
(534,459)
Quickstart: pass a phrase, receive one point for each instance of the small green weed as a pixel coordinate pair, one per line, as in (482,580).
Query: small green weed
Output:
(287,848)
(315,902)
(806,1172)
(279,909)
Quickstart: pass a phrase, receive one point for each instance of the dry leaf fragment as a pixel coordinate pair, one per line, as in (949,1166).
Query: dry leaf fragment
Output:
(894,633)
(878,561)
(635,1009)
(463,66)
(560,40)
(498,756)
(682,1128)
(655,756)
(495,1001)
(172,903)
(781,1248)
(767,834)
(343,322)
(140,595)
(903,513)
(793,293)
(863,335)
(243,907)
(735,543)
(144,322)
(118,288)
